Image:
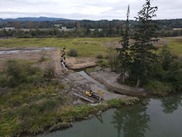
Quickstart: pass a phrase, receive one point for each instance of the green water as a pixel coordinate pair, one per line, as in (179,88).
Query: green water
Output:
(153,118)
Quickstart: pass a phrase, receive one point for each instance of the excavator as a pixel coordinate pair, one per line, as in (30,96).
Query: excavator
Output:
(98,95)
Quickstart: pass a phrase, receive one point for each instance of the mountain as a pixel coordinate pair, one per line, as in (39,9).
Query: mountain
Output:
(38,19)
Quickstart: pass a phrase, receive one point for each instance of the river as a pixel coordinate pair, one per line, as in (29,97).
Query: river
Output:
(155,117)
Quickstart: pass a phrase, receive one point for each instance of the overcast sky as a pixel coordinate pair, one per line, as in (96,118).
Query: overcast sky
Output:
(86,9)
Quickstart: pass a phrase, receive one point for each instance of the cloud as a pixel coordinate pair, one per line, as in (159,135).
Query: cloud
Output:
(85,9)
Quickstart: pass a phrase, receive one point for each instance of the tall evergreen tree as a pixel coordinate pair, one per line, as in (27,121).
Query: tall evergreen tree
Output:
(142,50)
(124,57)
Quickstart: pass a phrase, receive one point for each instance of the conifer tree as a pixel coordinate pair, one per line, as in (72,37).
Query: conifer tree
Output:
(124,57)
(142,50)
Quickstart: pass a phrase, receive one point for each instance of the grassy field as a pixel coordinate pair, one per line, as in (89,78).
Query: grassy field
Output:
(86,47)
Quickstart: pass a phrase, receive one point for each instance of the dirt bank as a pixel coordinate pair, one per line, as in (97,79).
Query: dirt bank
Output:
(109,79)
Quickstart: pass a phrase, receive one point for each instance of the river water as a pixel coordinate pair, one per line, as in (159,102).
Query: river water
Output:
(161,117)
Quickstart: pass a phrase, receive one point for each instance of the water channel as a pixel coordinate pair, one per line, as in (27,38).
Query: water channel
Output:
(16,51)
(155,117)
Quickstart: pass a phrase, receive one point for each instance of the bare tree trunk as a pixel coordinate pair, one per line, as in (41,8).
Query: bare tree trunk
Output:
(138,83)
(123,78)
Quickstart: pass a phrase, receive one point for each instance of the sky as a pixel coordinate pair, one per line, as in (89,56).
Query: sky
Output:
(86,9)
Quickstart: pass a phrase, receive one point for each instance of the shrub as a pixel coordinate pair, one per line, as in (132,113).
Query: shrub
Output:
(3,79)
(103,63)
(99,56)
(126,101)
(19,72)
(159,88)
(107,57)
(72,53)
(113,59)
(43,59)
(49,72)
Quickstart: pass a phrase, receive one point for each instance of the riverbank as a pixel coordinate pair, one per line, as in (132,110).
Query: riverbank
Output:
(84,112)
(49,110)
(154,117)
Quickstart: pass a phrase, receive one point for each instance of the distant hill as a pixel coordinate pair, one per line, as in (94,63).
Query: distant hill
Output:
(40,19)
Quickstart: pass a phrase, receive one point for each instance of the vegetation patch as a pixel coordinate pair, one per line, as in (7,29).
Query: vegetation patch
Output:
(72,53)
(175,46)
(99,56)
(159,88)
(38,102)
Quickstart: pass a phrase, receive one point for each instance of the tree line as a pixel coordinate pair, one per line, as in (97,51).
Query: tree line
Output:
(83,28)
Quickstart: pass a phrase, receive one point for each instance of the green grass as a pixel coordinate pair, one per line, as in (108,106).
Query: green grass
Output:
(28,109)
(175,45)
(85,46)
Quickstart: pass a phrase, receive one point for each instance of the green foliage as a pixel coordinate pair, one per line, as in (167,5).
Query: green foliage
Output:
(19,72)
(73,113)
(3,79)
(49,73)
(172,69)
(142,50)
(119,102)
(113,59)
(158,87)
(43,59)
(161,73)
(174,74)
(72,53)
(102,63)
(166,57)
(27,109)
(166,73)
(124,52)
(99,56)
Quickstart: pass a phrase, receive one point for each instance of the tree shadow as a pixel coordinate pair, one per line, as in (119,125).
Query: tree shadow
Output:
(171,103)
(132,120)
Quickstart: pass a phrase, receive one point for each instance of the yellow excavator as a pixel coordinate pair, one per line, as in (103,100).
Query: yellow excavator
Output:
(89,93)
(98,95)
